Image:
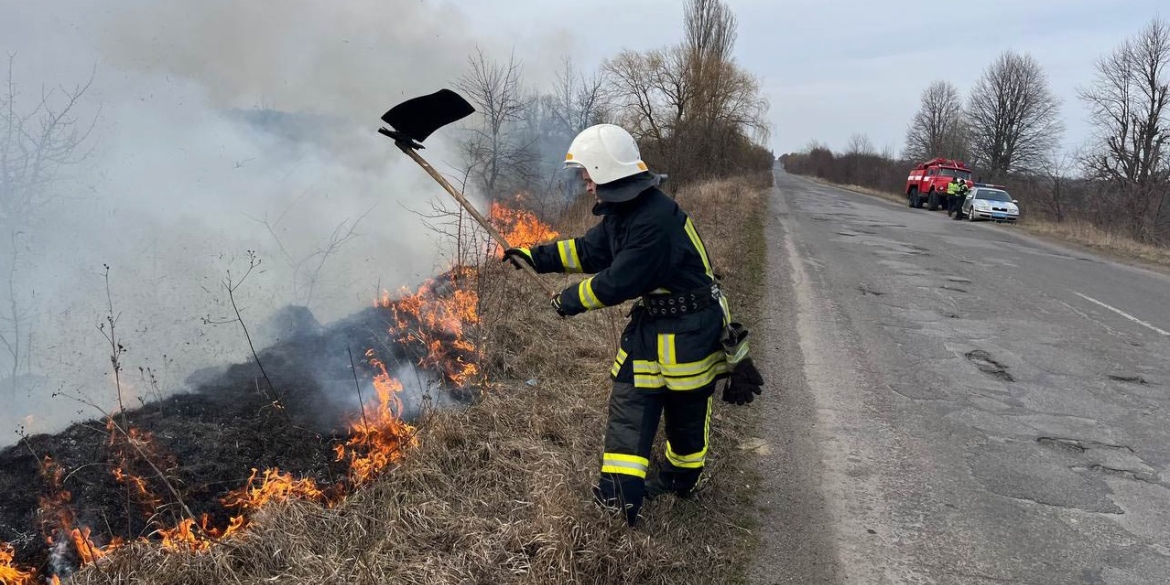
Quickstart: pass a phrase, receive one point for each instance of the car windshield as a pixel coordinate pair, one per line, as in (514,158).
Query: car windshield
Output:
(965,175)
(993,195)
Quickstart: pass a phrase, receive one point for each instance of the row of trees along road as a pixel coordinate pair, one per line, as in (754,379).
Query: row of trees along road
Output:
(695,112)
(1009,129)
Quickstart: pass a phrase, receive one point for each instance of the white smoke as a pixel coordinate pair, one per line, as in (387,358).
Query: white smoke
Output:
(221,127)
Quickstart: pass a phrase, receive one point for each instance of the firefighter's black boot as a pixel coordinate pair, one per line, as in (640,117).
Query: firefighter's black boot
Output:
(680,483)
(621,493)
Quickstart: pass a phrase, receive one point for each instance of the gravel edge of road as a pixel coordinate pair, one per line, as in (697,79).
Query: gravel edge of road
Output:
(794,520)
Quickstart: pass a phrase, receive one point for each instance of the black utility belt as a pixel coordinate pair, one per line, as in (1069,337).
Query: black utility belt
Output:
(679,304)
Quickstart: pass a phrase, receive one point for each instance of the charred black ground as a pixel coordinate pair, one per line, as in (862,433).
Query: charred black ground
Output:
(206,442)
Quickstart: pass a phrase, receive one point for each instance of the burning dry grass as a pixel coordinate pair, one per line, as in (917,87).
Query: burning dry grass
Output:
(499,492)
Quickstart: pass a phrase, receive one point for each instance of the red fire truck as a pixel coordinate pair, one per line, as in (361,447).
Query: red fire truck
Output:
(928,181)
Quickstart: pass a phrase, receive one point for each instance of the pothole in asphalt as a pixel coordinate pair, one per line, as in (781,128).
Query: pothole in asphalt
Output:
(953,288)
(867,290)
(988,365)
(959,279)
(1066,445)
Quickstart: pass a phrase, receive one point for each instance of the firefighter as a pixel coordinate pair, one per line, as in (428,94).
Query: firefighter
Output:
(680,339)
(956,193)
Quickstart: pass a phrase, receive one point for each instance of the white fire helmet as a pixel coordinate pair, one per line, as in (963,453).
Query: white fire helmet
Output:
(607,152)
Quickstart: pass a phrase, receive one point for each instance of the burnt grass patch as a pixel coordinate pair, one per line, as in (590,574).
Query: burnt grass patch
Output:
(206,442)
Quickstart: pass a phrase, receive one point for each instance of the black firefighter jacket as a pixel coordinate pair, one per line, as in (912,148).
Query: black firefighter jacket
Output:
(646,245)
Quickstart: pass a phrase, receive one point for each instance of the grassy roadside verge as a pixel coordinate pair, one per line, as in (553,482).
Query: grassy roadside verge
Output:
(498,492)
(1076,233)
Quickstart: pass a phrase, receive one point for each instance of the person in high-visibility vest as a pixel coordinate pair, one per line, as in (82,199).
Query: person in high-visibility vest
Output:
(956,193)
(680,339)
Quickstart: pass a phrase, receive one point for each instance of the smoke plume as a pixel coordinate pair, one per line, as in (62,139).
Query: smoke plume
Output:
(219,129)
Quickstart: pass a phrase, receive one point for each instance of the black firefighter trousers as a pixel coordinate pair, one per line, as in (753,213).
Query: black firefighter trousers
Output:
(629,437)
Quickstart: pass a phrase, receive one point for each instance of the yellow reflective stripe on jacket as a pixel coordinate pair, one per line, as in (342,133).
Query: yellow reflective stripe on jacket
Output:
(624,464)
(684,376)
(618,362)
(694,460)
(697,242)
(585,293)
(666,348)
(692,368)
(570,261)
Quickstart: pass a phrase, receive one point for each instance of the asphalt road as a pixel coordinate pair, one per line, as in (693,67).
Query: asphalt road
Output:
(957,403)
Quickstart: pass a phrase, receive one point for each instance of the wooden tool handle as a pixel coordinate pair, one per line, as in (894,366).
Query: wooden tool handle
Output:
(480,219)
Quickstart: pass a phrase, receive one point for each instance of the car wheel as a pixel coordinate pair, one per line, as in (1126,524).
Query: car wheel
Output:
(912,196)
(934,201)
(971,216)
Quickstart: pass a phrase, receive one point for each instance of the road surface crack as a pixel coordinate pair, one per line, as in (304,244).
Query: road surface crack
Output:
(1116,511)
(1078,445)
(1130,378)
(1124,473)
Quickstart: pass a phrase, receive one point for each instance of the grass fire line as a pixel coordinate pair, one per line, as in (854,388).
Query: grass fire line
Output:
(495,489)
(437,319)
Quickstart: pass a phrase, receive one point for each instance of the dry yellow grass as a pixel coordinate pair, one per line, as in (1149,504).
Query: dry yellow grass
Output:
(1090,236)
(498,492)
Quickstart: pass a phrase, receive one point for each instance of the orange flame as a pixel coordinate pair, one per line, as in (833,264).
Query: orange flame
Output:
(183,537)
(87,549)
(10,574)
(439,323)
(126,449)
(519,227)
(276,486)
(379,437)
(438,319)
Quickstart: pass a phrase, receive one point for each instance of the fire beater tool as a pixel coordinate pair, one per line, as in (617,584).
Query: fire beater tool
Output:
(412,121)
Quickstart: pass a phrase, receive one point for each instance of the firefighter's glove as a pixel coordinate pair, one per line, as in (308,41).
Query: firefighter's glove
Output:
(744,384)
(518,255)
(556,305)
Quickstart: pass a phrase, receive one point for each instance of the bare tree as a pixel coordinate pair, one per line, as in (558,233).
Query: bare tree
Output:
(1014,117)
(634,88)
(693,109)
(493,150)
(577,101)
(938,128)
(1128,101)
(859,143)
(37,144)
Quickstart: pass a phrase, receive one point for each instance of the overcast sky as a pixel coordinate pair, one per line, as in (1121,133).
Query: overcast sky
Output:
(835,67)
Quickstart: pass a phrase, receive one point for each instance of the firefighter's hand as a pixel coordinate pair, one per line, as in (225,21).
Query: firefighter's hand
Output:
(518,255)
(744,385)
(556,304)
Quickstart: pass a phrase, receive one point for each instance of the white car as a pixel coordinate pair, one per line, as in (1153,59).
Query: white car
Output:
(990,203)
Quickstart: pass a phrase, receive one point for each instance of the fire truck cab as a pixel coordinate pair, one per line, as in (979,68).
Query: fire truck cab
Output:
(927,183)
